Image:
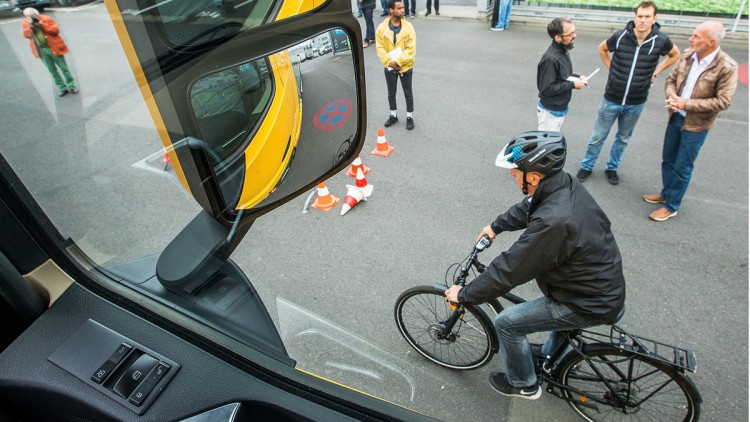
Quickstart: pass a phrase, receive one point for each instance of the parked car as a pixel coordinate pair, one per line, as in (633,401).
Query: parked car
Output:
(39,5)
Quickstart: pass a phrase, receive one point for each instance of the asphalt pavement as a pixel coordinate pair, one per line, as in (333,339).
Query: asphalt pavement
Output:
(330,281)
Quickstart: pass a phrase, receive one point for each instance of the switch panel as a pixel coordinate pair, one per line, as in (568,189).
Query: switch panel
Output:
(120,368)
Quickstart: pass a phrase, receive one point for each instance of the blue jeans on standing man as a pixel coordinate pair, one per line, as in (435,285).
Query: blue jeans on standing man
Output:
(514,323)
(678,155)
(384,5)
(626,116)
(503,14)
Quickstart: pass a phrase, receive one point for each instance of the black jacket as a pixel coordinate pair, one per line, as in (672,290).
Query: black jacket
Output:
(629,84)
(551,74)
(567,247)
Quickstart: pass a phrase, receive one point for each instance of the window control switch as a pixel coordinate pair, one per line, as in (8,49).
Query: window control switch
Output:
(135,375)
(107,367)
(156,374)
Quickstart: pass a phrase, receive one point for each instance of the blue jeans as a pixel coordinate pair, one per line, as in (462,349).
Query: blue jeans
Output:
(514,323)
(678,155)
(413,8)
(384,5)
(503,14)
(627,116)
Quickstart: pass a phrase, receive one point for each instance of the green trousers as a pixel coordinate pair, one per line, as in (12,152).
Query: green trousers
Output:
(53,62)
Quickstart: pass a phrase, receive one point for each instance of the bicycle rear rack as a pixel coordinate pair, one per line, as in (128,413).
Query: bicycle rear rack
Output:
(680,357)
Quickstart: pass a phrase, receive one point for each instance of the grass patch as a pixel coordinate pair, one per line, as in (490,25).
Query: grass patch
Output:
(717,7)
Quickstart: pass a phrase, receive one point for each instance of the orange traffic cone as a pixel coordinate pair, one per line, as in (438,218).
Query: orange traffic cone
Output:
(382,148)
(357,164)
(325,201)
(353,196)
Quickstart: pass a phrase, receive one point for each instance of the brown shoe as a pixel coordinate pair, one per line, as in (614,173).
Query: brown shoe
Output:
(654,198)
(662,214)
(365,44)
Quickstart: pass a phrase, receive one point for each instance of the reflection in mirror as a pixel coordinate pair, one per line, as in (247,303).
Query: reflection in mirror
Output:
(194,22)
(279,122)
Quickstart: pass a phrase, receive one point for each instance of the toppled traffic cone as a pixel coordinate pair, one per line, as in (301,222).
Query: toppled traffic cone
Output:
(353,196)
(356,193)
(325,201)
(382,148)
(357,164)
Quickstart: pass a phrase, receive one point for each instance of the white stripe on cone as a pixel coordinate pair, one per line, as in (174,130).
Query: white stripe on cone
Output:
(353,196)
(362,184)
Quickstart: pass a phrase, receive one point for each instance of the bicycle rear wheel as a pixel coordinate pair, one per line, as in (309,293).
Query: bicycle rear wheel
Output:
(652,390)
(421,313)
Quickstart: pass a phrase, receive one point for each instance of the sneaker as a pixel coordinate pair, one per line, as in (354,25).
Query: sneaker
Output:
(384,14)
(662,214)
(654,198)
(391,121)
(427,13)
(500,384)
(583,174)
(63,93)
(612,177)
(413,15)
(73,91)
(437,13)
(359,15)
(409,123)
(497,29)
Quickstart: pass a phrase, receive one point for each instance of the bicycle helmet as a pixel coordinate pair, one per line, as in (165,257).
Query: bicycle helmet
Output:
(534,151)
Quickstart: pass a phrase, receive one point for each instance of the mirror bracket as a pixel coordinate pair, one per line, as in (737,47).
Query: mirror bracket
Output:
(197,253)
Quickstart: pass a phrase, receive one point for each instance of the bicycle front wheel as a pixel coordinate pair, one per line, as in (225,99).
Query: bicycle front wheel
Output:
(421,315)
(642,388)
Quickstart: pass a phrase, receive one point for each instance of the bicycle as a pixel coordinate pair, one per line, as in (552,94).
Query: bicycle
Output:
(604,377)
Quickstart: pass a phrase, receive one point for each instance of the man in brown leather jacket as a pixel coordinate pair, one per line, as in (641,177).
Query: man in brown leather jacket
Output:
(702,83)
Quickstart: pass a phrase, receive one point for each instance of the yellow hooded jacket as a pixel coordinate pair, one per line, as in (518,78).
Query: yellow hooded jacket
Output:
(406,39)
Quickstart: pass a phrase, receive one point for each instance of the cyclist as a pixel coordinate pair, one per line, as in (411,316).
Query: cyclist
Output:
(567,246)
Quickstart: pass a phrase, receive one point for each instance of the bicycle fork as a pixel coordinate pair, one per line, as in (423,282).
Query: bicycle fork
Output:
(446,333)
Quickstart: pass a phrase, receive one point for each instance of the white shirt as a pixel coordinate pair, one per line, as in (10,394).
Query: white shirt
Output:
(695,71)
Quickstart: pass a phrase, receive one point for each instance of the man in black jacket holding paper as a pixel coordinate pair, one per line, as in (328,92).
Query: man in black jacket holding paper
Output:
(567,246)
(555,79)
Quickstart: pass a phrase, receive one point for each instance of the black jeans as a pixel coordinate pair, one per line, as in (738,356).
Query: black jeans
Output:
(437,5)
(391,79)
(369,24)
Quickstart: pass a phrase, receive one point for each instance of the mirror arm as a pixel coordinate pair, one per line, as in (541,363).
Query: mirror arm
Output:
(200,166)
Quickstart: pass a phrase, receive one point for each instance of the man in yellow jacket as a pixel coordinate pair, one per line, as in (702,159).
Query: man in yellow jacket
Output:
(396,43)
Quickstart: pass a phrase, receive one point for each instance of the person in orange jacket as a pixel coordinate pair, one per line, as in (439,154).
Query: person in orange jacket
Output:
(45,42)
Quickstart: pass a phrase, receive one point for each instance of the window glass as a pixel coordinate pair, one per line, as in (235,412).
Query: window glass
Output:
(95,161)
(190,22)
